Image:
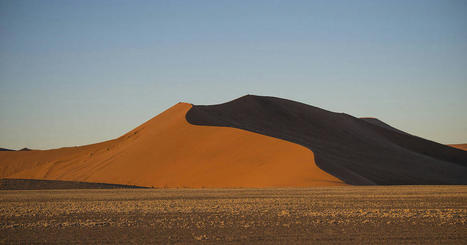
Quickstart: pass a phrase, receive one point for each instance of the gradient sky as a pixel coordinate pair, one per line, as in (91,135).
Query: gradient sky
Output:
(80,72)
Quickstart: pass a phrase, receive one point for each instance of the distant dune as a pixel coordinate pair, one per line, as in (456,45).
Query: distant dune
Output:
(460,146)
(167,151)
(32,184)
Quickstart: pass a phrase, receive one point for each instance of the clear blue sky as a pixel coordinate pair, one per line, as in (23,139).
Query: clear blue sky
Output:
(80,72)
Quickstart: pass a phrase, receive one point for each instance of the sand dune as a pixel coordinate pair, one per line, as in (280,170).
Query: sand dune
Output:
(253,141)
(167,151)
(460,146)
(354,150)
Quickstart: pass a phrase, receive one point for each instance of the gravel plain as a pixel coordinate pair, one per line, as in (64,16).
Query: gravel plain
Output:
(343,215)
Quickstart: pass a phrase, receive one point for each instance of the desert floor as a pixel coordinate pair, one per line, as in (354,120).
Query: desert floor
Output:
(404,214)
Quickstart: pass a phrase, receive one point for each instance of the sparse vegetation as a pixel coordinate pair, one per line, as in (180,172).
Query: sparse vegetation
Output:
(405,214)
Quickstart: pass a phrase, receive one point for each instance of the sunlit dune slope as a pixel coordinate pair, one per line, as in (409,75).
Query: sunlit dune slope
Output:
(460,146)
(167,151)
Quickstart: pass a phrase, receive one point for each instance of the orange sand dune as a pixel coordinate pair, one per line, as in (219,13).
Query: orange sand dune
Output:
(460,146)
(167,151)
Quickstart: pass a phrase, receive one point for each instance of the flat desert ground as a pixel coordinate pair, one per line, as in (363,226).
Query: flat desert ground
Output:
(345,214)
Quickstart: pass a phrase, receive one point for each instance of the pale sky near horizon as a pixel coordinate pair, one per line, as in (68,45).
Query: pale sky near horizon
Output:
(81,72)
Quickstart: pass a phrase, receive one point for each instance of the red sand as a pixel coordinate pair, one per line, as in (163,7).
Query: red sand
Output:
(460,146)
(167,151)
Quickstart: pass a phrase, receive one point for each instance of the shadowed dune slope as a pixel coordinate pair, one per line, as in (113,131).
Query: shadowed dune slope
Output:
(460,146)
(167,151)
(357,151)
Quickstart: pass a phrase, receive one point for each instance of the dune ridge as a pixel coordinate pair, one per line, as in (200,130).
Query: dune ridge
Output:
(377,122)
(167,151)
